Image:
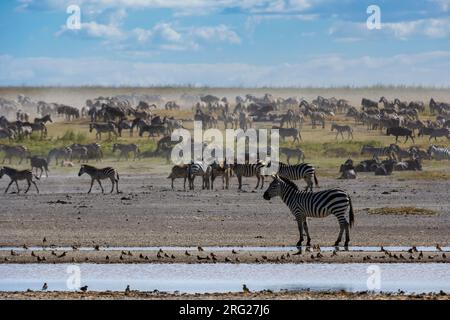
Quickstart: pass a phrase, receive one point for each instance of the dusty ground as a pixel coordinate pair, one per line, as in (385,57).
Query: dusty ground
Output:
(265,295)
(148,213)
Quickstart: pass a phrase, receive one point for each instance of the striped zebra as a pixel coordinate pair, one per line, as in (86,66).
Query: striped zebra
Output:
(63,153)
(303,171)
(20,152)
(17,175)
(376,152)
(313,204)
(39,163)
(178,172)
(439,153)
(249,170)
(126,149)
(103,128)
(201,169)
(221,170)
(101,174)
(340,129)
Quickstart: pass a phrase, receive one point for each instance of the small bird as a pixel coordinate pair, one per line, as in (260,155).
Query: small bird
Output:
(158,255)
(33,254)
(44,240)
(13,253)
(107,258)
(62,255)
(288,255)
(44,287)
(200,248)
(141,256)
(121,257)
(53,253)
(129,253)
(74,248)
(438,247)
(237,260)
(444,256)
(84,289)
(187,253)
(25,246)
(233,251)
(256,260)
(421,255)
(97,248)
(264,257)
(245,289)
(166,255)
(127,289)
(172,256)
(227,259)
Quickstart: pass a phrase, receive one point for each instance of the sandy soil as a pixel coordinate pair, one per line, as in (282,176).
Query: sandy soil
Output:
(148,213)
(265,295)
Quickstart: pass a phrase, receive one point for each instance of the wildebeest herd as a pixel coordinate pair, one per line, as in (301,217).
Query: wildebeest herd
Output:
(111,116)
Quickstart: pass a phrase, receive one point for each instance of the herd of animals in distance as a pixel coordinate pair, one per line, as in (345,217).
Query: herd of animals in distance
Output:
(148,117)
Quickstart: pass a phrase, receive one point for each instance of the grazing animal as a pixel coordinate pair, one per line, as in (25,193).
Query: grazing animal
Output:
(293,153)
(17,175)
(400,132)
(103,128)
(303,171)
(39,163)
(439,153)
(313,204)
(439,132)
(341,129)
(199,168)
(385,168)
(126,149)
(44,119)
(289,132)
(221,170)
(64,153)
(101,174)
(179,171)
(347,170)
(376,152)
(20,152)
(249,170)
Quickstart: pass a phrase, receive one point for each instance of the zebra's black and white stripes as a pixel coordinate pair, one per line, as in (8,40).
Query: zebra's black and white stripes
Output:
(101,174)
(313,204)
(249,170)
(439,153)
(17,175)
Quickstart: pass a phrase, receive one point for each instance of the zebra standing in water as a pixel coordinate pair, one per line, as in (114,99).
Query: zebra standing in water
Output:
(101,174)
(341,129)
(16,175)
(303,171)
(313,204)
(249,170)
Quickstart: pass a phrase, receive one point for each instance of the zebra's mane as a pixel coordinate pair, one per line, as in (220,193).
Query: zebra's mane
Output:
(289,183)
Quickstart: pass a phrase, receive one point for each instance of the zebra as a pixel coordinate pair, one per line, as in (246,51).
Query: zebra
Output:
(65,153)
(249,170)
(20,152)
(103,128)
(38,126)
(439,153)
(16,175)
(39,163)
(377,152)
(125,149)
(316,117)
(44,119)
(179,171)
(7,133)
(199,168)
(80,152)
(101,174)
(293,153)
(223,170)
(340,129)
(303,171)
(313,204)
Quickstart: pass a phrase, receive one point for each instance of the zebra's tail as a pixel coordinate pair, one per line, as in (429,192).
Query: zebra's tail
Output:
(351,214)
(315,180)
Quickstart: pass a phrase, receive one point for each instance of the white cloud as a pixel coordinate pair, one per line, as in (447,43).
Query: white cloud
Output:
(216,33)
(328,70)
(443,4)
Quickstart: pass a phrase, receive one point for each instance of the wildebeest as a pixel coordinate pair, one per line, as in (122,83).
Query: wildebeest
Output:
(288,132)
(400,132)
(438,133)
(39,163)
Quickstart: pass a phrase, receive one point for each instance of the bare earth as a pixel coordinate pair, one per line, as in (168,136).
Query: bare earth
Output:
(148,213)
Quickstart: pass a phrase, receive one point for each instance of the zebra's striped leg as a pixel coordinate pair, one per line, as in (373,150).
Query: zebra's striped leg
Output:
(342,225)
(300,230)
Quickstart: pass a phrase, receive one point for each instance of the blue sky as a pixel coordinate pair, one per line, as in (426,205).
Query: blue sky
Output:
(250,43)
